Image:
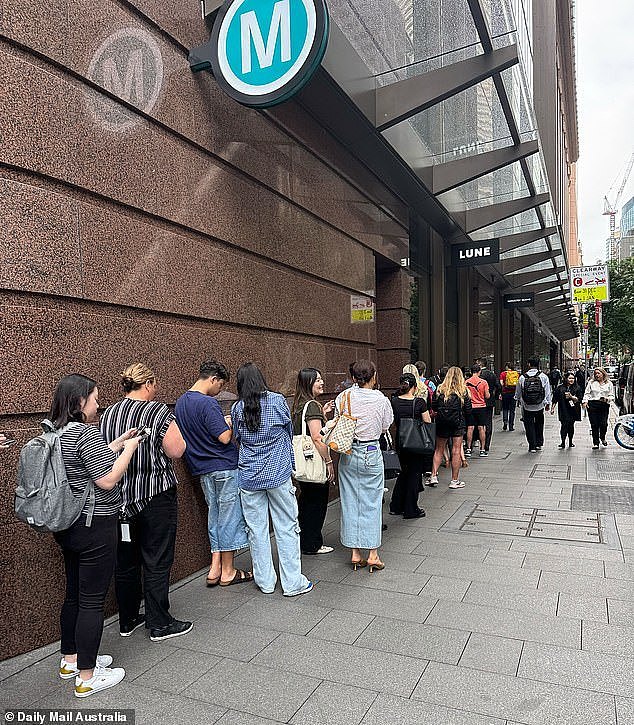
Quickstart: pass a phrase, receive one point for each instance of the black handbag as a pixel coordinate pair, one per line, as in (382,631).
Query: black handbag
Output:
(416,436)
(391,462)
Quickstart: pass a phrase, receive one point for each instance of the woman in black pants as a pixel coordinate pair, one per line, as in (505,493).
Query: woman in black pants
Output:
(597,398)
(313,497)
(409,482)
(89,550)
(567,400)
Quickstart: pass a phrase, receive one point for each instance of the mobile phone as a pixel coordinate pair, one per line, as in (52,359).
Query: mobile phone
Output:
(143,433)
(7,442)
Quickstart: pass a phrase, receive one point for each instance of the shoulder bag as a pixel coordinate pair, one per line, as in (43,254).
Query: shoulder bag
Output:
(309,465)
(339,434)
(416,436)
(391,461)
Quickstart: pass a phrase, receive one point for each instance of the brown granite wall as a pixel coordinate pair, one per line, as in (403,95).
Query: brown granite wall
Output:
(184,228)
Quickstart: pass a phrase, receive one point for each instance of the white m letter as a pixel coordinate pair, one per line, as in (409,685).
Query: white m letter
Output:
(280,25)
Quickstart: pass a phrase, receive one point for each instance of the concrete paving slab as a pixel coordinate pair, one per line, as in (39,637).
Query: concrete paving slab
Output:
(536,627)
(414,640)
(609,638)
(476,571)
(624,711)
(227,639)
(616,570)
(492,654)
(621,612)
(254,688)
(505,558)
(452,552)
(443,587)
(333,704)
(233,717)
(508,596)
(390,710)
(586,608)
(575,668)
(342,627)
(390,580)
(513,698)
(278,613)
(585,585)
(535,546)
(564,564)
(177,671)
(344,664)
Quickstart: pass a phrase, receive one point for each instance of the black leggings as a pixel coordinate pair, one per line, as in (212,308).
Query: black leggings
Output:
(312,505)
(567,430)
(408,485)
(89,556)
(598,413)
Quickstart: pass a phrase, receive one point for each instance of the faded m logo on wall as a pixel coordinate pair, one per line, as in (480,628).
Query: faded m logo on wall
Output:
(129,65)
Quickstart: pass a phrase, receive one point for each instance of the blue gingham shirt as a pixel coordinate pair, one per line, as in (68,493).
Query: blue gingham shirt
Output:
(265,457)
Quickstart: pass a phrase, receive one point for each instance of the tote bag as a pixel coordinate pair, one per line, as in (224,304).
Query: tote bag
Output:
(391,461)
(339,434)
(309,465)
(416,436)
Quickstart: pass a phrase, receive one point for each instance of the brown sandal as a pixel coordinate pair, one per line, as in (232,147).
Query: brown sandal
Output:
(240,577)
(212,581)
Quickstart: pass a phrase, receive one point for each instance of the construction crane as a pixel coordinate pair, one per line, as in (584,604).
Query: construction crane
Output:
(610,208)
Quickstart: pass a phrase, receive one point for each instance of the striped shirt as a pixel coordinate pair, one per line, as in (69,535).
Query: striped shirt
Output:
(265,458)
(87,456)
(371,408)
(150,471)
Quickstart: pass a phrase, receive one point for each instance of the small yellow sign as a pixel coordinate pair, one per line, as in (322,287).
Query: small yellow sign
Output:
(361,309)
(589,294)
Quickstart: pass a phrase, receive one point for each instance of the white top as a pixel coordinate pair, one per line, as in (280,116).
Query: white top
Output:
(372,410)
(596,390)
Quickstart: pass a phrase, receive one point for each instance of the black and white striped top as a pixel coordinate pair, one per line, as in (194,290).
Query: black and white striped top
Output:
(87,456)
(150,471)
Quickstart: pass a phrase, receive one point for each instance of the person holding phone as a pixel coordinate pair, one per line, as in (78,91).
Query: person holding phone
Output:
(148,515)
(567,400)
(598,395)
(361,476)
(6,442)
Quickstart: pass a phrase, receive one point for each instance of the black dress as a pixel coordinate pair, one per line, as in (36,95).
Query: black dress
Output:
(568,411)
(409,481)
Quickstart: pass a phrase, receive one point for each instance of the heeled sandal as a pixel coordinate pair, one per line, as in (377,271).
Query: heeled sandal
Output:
(359,564)
(376,566)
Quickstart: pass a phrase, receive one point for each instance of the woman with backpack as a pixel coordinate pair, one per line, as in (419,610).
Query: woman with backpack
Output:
(567,400)
(508,381)
(89,550)
(452,404)
(313,499)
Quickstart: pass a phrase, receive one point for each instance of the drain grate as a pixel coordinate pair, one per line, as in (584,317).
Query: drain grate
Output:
(554,470)
(610,470)
(572,527)
(607,499)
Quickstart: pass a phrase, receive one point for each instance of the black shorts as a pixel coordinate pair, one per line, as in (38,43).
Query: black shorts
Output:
(444,429)
(478,417)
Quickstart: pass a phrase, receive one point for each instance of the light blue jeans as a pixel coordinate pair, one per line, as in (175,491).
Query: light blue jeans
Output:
(225,523)
(281,503)
(361,483)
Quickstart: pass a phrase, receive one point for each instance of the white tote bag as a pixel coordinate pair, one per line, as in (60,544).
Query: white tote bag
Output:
(309,465)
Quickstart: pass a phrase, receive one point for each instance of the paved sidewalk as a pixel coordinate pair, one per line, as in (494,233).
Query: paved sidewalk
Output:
(460,629)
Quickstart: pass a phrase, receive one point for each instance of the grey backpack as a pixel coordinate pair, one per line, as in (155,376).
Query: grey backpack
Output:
(43,497)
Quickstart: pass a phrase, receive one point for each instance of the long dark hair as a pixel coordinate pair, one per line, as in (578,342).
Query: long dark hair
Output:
(306,378)
(251,387)
(67,399)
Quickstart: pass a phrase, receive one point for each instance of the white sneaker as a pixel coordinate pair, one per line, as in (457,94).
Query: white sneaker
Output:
(305,590)
(433,480)
(70,669)
(324,550)
(102,679)
(457,484)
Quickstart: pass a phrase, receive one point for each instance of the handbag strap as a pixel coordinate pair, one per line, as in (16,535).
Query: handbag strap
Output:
(304,423)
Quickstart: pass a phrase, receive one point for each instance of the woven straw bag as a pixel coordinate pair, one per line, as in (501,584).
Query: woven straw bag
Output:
(340,431)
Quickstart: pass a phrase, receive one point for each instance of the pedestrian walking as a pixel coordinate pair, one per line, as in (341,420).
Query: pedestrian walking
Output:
(89,551)
(554,377)
(479,394)
(212,455)
(361,479)
(495,389)
(534,393)
(409,480)
(313,495)
(149,509)
(508,382)
(263,429)
(567,401)
(452,404)
(598,395)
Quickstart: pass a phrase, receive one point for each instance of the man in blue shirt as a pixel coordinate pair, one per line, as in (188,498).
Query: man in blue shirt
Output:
(212,455)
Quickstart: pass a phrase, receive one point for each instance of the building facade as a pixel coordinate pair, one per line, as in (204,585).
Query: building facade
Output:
(147,216)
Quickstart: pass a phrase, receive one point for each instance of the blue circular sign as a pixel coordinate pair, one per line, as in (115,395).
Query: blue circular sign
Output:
(267,50)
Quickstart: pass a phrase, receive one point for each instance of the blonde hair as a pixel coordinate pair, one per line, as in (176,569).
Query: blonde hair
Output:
(421,388)
(453,383)
(136,375)
(603,372)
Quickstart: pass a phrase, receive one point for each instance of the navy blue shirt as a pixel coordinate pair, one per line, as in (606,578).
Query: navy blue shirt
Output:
(201,421)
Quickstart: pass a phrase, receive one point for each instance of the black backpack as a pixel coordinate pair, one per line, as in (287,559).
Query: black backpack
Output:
(533,392)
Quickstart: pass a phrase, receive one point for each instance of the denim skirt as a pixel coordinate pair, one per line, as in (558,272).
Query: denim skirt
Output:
(361,485)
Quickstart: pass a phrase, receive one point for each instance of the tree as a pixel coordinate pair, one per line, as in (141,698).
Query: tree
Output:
(618,314)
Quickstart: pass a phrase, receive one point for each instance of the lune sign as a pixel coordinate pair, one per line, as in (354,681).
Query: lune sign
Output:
(475,253)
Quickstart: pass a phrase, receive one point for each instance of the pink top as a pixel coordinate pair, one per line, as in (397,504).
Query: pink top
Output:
(477,388)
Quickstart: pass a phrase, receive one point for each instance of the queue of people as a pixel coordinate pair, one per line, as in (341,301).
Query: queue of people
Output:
(245,464)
